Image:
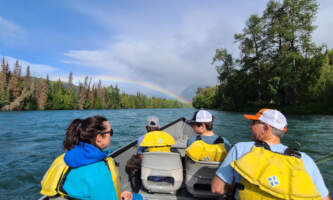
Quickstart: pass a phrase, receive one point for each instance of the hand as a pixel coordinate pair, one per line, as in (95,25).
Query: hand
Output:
(218,186)
(126,195)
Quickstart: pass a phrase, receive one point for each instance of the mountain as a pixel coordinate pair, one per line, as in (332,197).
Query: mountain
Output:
(189,92)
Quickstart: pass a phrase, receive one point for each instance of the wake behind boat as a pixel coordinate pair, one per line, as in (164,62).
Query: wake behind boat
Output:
(189,180)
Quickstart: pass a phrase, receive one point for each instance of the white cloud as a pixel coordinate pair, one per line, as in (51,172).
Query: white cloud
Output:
(9,29)
(171,55)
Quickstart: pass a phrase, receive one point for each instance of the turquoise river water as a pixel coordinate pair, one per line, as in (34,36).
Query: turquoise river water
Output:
(29,141)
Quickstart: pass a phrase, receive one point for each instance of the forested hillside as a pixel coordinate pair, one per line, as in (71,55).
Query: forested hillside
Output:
(27,93)
(279,65)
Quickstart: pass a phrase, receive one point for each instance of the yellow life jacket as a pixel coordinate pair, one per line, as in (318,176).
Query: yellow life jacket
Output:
(270,175)
(199,150)
(114,173)
(158,141)
(55,176)
(51,182)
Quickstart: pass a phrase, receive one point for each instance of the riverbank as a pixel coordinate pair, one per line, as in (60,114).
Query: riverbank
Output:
(304,109)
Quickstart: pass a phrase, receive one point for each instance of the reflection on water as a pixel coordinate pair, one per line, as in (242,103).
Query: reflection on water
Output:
(29,141)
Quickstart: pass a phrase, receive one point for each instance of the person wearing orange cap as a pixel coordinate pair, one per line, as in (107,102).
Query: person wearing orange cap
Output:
(267,169)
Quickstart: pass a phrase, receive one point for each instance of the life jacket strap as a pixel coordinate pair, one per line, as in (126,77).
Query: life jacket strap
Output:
(239,186)
(198,137)
(292,151)
(259,143)
(219,140)
(62,182)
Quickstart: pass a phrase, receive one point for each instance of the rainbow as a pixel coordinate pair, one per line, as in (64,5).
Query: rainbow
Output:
(147,85)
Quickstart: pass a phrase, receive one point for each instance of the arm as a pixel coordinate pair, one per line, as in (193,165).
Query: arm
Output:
(219,186)
(225,175)
(139,148)
(326,198)
(316,176)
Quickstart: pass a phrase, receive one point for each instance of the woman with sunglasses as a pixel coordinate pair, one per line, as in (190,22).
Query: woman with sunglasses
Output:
(85,171)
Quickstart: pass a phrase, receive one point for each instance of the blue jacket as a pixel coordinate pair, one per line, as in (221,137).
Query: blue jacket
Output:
(90,177)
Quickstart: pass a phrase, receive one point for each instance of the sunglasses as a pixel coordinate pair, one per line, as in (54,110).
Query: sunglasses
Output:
(254,122)
(107,132)
(196,124)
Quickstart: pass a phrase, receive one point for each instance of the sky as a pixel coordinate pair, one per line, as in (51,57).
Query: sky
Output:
(155,47)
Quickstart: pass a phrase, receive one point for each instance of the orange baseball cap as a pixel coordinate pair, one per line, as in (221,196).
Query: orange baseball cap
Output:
(271,117)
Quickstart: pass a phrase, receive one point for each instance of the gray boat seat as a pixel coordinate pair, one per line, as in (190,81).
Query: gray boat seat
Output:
(161,172)
(199,176)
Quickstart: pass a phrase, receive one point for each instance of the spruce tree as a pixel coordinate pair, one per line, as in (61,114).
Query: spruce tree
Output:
(42,93)
(4,93)
(14,82)
(27,79)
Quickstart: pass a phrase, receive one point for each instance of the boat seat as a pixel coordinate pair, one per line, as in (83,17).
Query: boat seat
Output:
(199,176)
(161,172)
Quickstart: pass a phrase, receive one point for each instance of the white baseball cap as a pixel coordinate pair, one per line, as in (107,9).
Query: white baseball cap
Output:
(201,116)
(271,117)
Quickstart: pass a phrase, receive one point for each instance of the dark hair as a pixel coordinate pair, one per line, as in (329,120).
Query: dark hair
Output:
(149,128)
(209,125)
(83,130)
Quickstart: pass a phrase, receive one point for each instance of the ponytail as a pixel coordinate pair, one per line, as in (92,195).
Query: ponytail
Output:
(83,131)
(72,134)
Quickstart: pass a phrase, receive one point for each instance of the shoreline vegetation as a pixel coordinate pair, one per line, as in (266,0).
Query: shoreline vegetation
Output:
(29,93)
(279,66)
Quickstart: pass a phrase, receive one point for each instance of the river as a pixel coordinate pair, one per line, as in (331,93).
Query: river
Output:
(30,140)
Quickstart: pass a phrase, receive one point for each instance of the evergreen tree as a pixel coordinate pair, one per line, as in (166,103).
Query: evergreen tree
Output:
(14,82)
(70,82)
(42,93)
(54,96)
(116,97)
(289,34)
(27,79)
(100,96)
(279,65)
(57,96)
(4,93)
(91,97)
(226,69)
(70,98)
(253,60)
(83,92)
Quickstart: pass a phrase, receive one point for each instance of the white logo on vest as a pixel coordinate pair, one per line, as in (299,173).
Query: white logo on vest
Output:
(273,181)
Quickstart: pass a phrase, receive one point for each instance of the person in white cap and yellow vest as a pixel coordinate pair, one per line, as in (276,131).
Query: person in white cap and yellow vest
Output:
(267,169)
(206,146)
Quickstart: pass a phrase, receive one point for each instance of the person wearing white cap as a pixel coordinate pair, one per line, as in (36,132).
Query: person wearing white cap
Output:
(267,169)
(202,124)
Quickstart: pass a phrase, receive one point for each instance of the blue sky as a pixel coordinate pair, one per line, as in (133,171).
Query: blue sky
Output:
(169,44)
